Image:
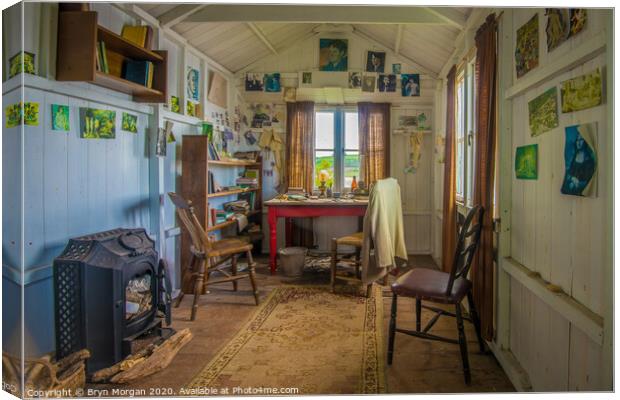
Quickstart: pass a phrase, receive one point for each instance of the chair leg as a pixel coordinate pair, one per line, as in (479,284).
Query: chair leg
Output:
(358,261)
(198,285)
(253,276)
(233,262)
(392,332)
(333,264)
(369,291)
(463,343)
(475,320)
(178,300)
(418,314)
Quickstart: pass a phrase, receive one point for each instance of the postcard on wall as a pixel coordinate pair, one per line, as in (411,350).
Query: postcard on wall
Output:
(289,94)
(13,114)
(526,162)
(18,64)
(580,160)
(175,105)
(526,52)
(218,90)
(368,83)
(129,122)
(543,112)
(355,80)
(407,122)
(190,108)
(583,92)
(375,61)
(396,68)
(60,117)
(193,84)
(410,85)
(97,124)
(333,54)
(271,82)
(387,83)
(306,78)
(31,114)
(253,82)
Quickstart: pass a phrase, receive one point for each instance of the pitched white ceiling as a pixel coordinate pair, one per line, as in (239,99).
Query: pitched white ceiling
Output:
(424,35)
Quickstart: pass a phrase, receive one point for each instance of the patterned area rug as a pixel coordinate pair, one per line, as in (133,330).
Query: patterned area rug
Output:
(307,338)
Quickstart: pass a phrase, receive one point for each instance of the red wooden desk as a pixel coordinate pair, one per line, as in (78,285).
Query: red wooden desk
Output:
(308,208)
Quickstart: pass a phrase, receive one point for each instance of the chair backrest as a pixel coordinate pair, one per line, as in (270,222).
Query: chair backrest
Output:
(466,245)
(185,211)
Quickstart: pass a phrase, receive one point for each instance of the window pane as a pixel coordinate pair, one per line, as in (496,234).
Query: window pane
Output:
(460,137)
(324,130)
(351,167)
(324,161)
(351,138)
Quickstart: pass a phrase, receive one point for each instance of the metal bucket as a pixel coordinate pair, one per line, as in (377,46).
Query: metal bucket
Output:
(292,260)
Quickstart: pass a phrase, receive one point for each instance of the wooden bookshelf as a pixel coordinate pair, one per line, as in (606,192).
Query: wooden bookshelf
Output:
(228,223)
(239,163)
(76,58)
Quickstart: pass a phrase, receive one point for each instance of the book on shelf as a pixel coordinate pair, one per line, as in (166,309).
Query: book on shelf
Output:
(98,58)
(104,57)
(140,35)
(139,72)
(249,197)
(240,206)
(213,153)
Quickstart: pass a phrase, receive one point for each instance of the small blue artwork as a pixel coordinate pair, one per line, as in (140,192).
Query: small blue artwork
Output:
(193,84)
(410,85)
(580,159)
(272,82)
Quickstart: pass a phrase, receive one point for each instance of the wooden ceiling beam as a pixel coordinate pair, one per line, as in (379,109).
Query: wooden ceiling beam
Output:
(399,38)
(449,15)
(259,33)
(178,14)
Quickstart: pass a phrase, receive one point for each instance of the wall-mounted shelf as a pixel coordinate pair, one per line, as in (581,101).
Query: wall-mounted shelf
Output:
(231,192)
(239,163)
(76,58)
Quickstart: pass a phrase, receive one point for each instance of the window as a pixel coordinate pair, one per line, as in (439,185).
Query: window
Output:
(465,138)
(336,149)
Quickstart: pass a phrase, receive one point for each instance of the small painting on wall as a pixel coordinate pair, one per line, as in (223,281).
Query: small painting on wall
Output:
(306,78)
(175,105)
(526,52)
(193,84)
(396,68)
(97,124)
(355,80)
(582,92)
(410,85)
(387,83)
(289,94)
(253,82)
(129,123)
(543,112)
(526,162)
(375,61)
(368,83)
(558,27)
(333,54)
(272,83)
(13,114)
(190,107)
(31,114)
(18,64)
(580,160)
(60,117)
(578,18)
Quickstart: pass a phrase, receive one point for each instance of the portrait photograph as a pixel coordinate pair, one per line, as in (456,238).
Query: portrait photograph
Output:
(368,83)
(580,160)
(375,61)
(333,54)
(387,83)
(355,80)
(253,82)
(410,85)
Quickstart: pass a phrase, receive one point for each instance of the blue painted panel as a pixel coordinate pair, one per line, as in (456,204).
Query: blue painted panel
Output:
(11,317)
(77,177)
(39,336)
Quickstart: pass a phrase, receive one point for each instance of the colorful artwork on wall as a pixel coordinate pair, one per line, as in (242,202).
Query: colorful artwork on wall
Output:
(306,78)
(253,82)
(129,122)
(60,117)
(558,27)
(190,107)
(368,83)
(18,64)
(526,53)
(97,124)
(583,92)
(543,112)
(578,19)
(271,83)
(526,162)
(333,54)
(423,122)
(175,105)
(387,83)
(193,84)
(375,61)
(580,160)
(13,115)
(407,121)
(396,68)
(410,85)
(355,80)
(31,114)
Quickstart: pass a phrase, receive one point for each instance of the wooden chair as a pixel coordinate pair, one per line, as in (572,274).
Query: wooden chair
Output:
(443,287)
(354,240)
(204,252)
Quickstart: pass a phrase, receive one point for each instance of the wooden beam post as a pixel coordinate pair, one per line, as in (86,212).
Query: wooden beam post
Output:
(399,39)
(178,14)
(259,33)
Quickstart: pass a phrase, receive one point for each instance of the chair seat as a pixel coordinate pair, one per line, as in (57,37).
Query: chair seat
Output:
(430,284)
(229,246)
(355,239)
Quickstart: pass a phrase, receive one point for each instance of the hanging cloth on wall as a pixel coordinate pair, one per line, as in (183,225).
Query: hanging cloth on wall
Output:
(415,152)
(272,141)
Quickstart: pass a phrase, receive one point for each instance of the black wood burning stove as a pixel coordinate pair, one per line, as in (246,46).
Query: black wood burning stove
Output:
(109,287)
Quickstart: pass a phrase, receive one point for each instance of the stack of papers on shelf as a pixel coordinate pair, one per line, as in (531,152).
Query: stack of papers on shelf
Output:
(237,206)
(247,182)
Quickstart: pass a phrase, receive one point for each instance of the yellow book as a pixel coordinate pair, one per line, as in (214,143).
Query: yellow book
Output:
(150,77)
(135,34)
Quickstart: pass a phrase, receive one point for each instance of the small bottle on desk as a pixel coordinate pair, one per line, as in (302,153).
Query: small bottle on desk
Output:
(353,184)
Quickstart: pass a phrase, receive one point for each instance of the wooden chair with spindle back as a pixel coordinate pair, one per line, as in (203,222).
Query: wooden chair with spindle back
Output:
(443,287)
(209,256)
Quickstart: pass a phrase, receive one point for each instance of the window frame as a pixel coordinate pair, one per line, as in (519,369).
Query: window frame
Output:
(467,70)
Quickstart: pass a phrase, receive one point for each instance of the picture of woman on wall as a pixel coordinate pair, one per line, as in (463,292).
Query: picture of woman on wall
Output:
(580,158)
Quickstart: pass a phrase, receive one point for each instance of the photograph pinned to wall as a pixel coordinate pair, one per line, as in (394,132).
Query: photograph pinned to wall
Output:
(410,85)
(193,84)
(13,114)
(175,105)
(583,92)
(272,83)
(526,162)
(440,148)
(190,108)
(558,27)
(97,124)
(396,68)
(375,61)
(261,113)
(368,83)
(31,114)
(60,117)
(580,160)
(333,54)
(218,90)
(526,52)
(578,19)
(387,83)
(253,82)
(250,138)
(129,122)
(18,64)
(543,112)
(407,122)
(306,78)
(160,146)
(278,115)
(355,80)
(289,94)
